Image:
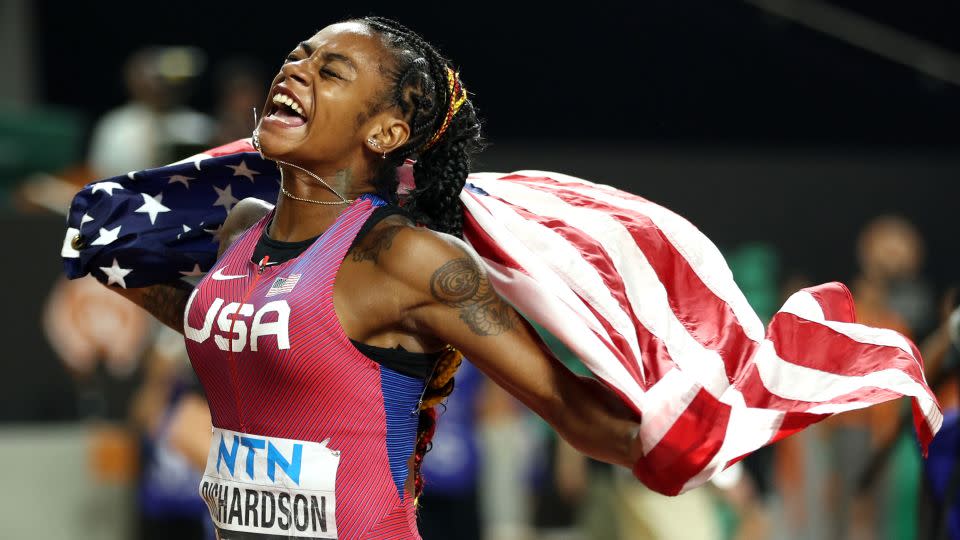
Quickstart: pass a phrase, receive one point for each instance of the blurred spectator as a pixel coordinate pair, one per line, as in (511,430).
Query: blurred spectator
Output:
(506,447)
(941,353)
(889,291)
(100,338)
(240,85)
(450,504)
(154,127)
(169,504)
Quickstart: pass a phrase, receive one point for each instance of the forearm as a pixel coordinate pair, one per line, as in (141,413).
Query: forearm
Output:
(166,301)
(594,420)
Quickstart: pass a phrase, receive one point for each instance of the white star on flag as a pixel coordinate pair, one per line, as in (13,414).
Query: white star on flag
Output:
(225,197)
(115,274)
(195,272)
(243,170)
(85,218)
(179,178)
(152,207)
(106,236)
(105,186)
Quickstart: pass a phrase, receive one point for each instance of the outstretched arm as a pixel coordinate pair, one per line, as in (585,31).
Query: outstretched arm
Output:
(167,301)
(451,298)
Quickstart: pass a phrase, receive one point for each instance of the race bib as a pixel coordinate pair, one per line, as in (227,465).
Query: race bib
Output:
(270,488)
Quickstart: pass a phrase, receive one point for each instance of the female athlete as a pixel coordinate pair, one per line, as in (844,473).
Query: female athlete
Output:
(331,324)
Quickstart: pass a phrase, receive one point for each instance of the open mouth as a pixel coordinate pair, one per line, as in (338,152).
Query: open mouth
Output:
(287,110)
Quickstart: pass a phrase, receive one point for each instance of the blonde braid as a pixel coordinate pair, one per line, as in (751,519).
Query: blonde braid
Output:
(438,387)
(447,366)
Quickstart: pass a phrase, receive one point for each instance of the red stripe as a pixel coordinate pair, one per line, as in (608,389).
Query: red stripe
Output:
(813,345)
(596,256)
(835,300)
(688,446)
(236,147)
(707,318)
(483,244)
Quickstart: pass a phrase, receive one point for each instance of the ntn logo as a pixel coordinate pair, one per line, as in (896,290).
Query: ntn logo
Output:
(290,464)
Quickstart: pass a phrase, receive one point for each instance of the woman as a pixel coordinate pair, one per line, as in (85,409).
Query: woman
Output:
(326,332)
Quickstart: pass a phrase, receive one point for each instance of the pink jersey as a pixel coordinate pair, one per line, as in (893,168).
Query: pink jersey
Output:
(311,438)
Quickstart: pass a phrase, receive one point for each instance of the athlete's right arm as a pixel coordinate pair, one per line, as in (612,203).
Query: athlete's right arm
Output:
(168,301)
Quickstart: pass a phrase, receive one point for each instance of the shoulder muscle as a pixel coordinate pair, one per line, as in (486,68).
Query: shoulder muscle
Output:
(443,271)
(243,215)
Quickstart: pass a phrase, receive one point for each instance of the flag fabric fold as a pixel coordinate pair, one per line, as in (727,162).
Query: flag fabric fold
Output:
(644,299)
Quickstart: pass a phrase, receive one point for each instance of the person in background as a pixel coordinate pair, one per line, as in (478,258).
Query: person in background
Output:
(154,127)
(940,516)
(450,508)
(161,411)
(239,85)
(888,292)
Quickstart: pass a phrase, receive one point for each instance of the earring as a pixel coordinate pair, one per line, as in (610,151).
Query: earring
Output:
(255,139)
(373,142)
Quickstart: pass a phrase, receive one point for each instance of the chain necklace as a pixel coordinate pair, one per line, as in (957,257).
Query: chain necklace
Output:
(256,144)
(283,189)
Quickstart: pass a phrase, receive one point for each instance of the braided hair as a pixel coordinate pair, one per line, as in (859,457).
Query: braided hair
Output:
(418,86)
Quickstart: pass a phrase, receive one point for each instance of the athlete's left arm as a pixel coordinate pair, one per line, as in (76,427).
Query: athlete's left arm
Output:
(449,298)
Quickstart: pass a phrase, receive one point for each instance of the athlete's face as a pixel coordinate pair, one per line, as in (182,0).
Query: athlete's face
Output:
(317,110)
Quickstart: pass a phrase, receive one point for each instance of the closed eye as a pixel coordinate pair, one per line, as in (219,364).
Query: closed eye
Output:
(330,73)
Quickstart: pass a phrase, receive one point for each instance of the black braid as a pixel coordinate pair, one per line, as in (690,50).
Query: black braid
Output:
(419,90)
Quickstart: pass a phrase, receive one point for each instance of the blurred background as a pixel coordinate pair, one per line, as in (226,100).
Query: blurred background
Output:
(812,141)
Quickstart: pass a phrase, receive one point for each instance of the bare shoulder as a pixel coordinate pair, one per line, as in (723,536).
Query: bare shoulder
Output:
(448,282)
(417,253)
(243,216)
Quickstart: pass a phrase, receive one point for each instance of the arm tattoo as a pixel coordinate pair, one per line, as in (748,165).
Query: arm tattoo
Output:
(460,284)
(167,303)
(379,243)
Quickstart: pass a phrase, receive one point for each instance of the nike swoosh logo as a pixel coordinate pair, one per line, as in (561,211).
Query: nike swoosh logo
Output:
(219,276)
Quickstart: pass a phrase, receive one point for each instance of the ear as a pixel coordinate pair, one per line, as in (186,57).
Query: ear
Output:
(387,134)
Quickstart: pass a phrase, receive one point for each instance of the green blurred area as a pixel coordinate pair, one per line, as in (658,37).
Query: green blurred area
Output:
(44,139)
(756,269)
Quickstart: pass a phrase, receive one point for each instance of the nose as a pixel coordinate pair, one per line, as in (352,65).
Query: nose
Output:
(297,71)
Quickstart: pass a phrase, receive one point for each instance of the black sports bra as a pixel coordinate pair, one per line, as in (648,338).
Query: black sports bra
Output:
(398,359)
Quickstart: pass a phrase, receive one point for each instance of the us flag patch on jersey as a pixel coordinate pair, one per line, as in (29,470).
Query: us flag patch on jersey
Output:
(283,285)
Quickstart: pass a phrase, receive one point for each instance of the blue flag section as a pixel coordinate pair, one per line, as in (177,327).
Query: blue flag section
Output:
(159,225)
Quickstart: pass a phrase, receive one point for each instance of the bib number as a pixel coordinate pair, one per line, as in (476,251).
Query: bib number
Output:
(266,487)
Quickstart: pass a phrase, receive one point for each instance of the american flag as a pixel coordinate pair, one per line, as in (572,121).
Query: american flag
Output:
(283,285)
(644,299)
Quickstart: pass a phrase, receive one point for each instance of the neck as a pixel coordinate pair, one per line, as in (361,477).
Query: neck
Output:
(299,220)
